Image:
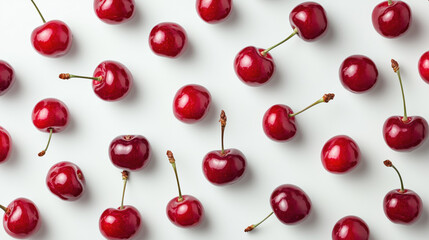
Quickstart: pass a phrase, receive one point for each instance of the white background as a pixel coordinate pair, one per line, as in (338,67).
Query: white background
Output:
(305,71)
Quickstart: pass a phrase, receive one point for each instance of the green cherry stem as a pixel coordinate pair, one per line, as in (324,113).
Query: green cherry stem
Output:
(43,19)
(253,226)
(125,175)
(173,164)
(295,31)
(67,76)
(3,208)
(326,98)
(388,163)
(395,67)
(222,121)
(389,2)
(43,152)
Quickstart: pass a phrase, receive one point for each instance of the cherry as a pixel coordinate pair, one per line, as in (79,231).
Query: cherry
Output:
(121,223)
(402,205)
(50,115)
(53,38)
(225,166)
(111,80)
(279,120)
(7,77)
(168,39)
(21,218)
(404,133)
(184,210)
(66,180)
(424,66)
(340,154)
(5,145)
(213,11)
(131,152)
(391,18)
(309,20)
(252,67)
(358,73)
(114,11)
(350,228)
(290,204)
(191,103)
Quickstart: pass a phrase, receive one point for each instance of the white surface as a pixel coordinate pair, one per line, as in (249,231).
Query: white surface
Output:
(305,71)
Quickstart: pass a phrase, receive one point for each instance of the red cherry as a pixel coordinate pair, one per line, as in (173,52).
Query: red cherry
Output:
(225,166)
(252,67)
(112,81)
(50,115)
(168,39)
(358,73)
(184,210)
(424,66)
(309,19)
(21,218)
(340,154)
(213,11)
(402,205)
(131,152)
(5,145)
(7,77)
(391,18)
(114,11)
(350,228)
(279,120)
(66,180)
(404,133)
(191,103)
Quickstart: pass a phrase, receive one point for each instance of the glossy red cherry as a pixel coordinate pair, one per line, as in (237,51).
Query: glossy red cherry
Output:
(66,180)
(7,77)
(50,115)
(279,120)
(184,210)
(340,154)
(52,39)
(404,133)
(391,18)
(191,103)
(121,223)
(213,11)
(350,228)
(114,11)
(358,73)
(168,39)
(131,152)
(112,81)
(5,145)
(252,67)
(224,166)
(309,20)
(402,205)
(424,66)
(21,218)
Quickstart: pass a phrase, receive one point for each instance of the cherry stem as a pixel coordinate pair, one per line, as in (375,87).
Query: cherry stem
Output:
(3,208)
(395,67)
(43,152)
(173,164)
(295,31)
(222,121)
(67,76)
(253,226)
(389,2)
(125,178)
(43,19)
(326,98)
(388,163)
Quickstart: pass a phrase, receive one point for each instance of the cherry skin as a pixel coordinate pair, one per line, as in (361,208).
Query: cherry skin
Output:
(350,228)
(424,66)
(121,223)
(187,212)
(191,103)
(252,67)
(114,11)
(277,124)
(405,136)
(168,39)
(66,180)
(5,145)
(116,81)
(358,73)
(7,77)
(340,154)
(391,18)
(213,11)
(290,204)
(50,113)
(21,219)
(131,152)
(52,39)
(309,18)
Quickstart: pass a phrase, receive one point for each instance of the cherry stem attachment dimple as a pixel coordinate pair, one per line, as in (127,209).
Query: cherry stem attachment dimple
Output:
(43,152)
(3,208)
(253,226)
(125,175)
(222,121)
(173,164)
(326,98)
(43,19)
(67,76)
(295,31)
(395,67)
(388,163)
